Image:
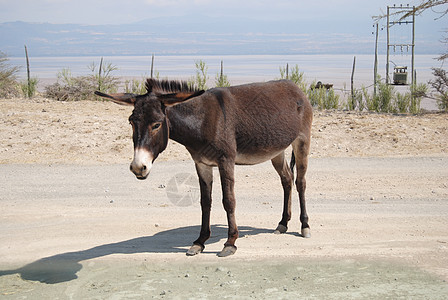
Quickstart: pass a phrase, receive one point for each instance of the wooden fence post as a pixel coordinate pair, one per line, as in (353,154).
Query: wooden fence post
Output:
(222,70)
(28,73)
(99,74)
(352,87)
(152,66)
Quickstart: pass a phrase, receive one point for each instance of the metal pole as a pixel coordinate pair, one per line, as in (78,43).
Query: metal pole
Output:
(387,55)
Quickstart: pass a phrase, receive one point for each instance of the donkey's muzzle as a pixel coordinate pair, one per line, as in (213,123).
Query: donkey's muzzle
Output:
(141,164)
(139,172)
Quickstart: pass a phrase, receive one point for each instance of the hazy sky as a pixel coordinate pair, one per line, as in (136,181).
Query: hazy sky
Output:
(91,12)
(342,20)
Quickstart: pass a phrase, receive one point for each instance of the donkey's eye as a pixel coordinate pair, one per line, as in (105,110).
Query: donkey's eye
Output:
(155,126)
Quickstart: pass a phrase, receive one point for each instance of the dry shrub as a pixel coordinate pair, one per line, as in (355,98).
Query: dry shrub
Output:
(9,87)
(83,87)
(80,88)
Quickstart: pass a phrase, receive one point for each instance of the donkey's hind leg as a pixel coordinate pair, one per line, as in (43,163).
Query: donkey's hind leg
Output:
(286,176)
(301,148)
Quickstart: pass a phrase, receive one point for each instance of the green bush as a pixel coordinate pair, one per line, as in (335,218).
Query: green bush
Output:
(386,100)
(295,76)
(29,88)
(331,100)
(361,103)
(355,100)
(386,92)
(103,79)
(221,80)
(65,75)
(315,96)
(417,93)
(371,101)
(134,86)
(323,98)
(200,80)
(401,103)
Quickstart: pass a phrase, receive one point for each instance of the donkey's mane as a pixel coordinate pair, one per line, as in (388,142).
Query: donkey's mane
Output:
(168,86)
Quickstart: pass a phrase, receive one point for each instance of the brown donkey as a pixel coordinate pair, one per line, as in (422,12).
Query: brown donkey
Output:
(224,127)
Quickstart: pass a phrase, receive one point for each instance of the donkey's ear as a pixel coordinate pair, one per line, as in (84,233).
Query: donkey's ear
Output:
(177,98)
(120,98)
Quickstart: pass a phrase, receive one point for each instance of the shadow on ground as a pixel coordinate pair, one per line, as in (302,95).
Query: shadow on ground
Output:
(63,267)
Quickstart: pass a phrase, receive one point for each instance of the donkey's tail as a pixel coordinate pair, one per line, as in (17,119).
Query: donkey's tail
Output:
(292,163)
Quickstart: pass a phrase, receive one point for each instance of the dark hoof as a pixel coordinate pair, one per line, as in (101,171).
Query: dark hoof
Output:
(195,249)
(227,251)
(280,229)
(306,233)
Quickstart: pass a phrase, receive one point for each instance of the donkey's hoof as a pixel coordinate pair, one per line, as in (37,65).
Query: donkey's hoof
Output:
(195,249)
(280,229)
(306,233)
(227,251)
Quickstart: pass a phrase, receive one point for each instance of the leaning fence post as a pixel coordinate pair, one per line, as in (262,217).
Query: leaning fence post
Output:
(28,72)
(99,74)
(352,88)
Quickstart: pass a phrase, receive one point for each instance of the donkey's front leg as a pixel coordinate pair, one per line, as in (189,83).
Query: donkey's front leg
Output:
(226,172)
(205,174)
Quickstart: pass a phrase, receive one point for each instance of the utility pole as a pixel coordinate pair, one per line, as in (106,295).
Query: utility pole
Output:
(375,67)
(387,55)
(412,44)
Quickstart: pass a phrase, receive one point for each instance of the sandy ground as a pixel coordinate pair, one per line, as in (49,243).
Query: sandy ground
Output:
(76,224)
(45,131)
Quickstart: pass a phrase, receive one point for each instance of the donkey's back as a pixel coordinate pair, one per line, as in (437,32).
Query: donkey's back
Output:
(261,119)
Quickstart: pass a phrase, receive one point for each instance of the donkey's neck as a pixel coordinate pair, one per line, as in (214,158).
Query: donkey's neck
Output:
(185,123)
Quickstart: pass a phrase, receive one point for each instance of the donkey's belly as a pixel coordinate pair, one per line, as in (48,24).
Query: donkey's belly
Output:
(255,158)
(253,149)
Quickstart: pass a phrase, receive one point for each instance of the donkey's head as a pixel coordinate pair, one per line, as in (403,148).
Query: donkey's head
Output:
(150,124)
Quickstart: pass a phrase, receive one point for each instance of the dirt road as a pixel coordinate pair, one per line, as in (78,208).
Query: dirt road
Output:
(379,231)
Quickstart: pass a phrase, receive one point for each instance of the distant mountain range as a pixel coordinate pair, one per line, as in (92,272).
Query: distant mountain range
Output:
(189,35)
